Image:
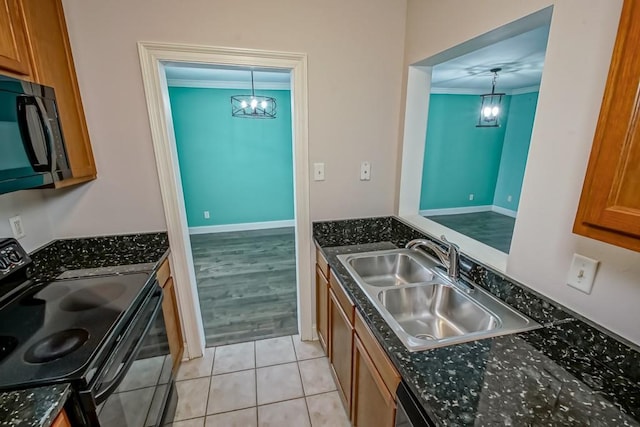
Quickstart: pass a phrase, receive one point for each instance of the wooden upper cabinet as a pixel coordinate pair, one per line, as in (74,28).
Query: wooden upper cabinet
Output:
(52,65)
(609,208)
(14,51)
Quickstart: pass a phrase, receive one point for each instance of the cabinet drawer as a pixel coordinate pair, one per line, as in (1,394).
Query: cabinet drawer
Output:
(164,272)
(345,302)
(322,263)
(385,368)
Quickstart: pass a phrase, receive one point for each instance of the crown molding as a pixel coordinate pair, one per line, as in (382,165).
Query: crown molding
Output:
(216,84)
(467,91)
(528,89)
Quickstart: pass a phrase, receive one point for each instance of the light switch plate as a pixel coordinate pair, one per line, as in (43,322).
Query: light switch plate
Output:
(582,273)
(318,171)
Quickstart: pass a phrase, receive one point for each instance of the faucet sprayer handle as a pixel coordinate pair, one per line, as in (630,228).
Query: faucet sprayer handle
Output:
(449,244)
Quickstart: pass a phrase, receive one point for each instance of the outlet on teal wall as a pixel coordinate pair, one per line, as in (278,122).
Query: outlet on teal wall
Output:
(460,159)
(240,170)
(515,150)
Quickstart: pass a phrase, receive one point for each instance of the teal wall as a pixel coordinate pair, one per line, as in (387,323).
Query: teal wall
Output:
(459,158)
(240,170)
(515,150)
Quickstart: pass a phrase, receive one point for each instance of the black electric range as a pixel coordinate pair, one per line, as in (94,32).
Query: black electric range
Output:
(53,331)
(87,331)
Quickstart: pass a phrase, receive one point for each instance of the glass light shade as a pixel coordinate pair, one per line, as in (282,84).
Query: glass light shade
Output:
(490,110)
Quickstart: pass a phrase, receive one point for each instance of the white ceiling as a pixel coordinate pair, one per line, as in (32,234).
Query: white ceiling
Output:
(521,59)
(204,75)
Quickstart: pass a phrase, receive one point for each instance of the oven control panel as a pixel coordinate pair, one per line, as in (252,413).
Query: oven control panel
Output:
(12,257)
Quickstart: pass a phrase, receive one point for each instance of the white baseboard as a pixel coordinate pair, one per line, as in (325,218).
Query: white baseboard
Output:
(242,227)
(469,209)
(504,211)
(455,211)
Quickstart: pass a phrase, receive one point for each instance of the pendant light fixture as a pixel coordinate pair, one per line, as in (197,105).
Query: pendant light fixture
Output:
(252,106)
(491,105)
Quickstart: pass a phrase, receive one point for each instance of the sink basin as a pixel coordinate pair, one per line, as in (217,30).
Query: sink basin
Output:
(436,311)
(423,306)
(390,269)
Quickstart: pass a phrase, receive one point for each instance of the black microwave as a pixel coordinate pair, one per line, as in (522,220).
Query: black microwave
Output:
(32,150)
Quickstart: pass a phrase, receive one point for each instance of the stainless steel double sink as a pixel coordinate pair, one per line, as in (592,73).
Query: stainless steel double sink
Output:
(423,307)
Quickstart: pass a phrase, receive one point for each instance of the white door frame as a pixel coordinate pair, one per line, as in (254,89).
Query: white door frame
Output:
(152,58)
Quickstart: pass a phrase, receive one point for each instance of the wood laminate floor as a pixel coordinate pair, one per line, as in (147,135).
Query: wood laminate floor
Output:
(491,228)
(246,284)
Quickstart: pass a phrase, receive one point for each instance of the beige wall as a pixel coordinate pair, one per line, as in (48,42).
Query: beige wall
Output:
(32,207)
(578,56)
(355,52)
(355,64)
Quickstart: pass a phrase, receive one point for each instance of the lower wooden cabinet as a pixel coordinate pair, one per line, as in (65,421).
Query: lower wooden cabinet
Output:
(341,347)
(372,403)
(171,314)
(61,420)
(172,323)
(322,308)
(366,378)
(375,380)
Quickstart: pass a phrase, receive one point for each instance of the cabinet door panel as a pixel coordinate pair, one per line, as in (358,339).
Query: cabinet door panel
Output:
(340,347)
(322,308)
(61,420)
(14,51)
(373,404)
(609,207)
(172,323)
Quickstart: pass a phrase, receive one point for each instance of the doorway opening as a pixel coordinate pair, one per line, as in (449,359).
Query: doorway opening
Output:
(154,59)
(237,183)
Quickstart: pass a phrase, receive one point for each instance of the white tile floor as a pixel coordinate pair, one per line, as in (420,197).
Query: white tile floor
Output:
(275,382)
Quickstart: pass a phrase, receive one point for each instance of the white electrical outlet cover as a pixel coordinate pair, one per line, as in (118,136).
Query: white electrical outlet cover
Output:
(318,171)
(582,273)
(16,227)
(365,171)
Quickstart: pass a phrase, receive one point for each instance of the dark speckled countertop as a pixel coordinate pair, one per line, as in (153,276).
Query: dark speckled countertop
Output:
(568,373)
(38,407)
(98,252)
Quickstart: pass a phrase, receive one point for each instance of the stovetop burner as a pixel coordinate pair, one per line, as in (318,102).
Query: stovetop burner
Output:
(56,345)
(61,326)
(93,296)
(7,345)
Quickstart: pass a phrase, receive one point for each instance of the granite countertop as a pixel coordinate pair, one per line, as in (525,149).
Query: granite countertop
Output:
(566,373)
(36,407)
(101,255)
(102,252)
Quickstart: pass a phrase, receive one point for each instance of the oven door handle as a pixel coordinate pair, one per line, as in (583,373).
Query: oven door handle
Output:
(103,394)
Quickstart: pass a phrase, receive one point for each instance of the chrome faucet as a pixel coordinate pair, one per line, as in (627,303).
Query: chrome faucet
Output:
(449,257)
